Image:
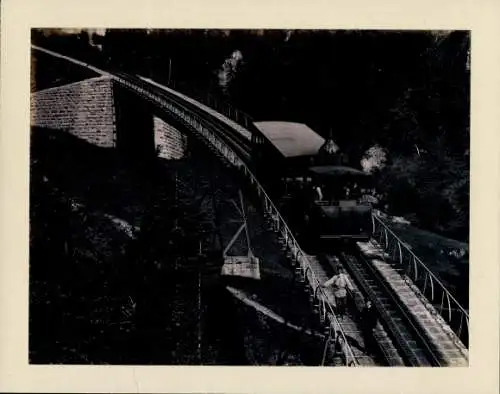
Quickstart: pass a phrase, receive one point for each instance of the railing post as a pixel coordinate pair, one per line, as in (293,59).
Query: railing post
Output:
(449,307)
(461,322)
(432,288)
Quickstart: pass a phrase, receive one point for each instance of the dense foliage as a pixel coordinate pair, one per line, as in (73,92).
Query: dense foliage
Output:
(407,92)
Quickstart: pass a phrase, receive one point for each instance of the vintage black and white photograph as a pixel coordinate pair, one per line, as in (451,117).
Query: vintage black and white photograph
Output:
(250,197)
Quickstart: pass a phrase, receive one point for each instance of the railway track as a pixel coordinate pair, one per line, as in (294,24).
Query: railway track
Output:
(414,347)
(403,330)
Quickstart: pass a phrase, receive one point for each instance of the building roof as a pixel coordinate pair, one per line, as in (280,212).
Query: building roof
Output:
(291,139)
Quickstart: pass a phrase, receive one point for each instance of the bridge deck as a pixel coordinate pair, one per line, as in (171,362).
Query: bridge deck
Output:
(435,328)
(240,129)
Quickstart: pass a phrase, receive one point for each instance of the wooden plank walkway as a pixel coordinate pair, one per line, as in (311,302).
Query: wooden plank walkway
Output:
(453,352)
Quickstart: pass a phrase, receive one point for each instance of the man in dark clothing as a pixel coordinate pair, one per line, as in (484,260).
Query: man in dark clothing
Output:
(369,320)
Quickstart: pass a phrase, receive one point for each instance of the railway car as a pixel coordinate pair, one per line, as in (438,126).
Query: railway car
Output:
(324,202)
(342,211)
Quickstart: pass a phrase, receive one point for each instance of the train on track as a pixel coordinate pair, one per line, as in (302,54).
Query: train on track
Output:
(323,199)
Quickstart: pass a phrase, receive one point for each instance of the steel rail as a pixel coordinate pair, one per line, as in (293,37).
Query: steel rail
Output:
(413,345)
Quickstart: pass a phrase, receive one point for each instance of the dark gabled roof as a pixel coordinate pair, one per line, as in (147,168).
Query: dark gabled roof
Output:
(291,139)
(337,171)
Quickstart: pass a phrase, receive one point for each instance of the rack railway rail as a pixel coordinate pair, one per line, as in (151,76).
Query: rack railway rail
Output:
(413,346)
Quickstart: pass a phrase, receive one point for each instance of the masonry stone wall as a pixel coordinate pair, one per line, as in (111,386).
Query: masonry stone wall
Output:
(107,116)
(85,109)
(170,142)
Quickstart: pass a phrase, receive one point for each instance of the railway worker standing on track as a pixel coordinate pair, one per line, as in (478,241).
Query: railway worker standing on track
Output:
(340,283)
